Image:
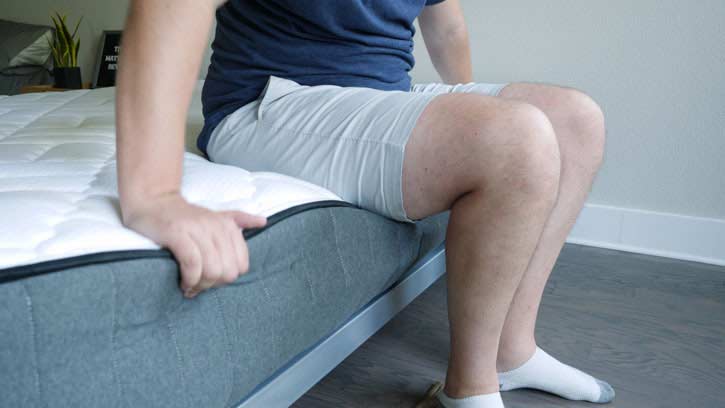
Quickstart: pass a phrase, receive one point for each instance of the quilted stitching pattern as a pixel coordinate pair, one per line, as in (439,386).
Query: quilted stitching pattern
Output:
(58,192)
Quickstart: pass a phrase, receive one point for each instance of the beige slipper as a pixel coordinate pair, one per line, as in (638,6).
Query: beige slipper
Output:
(430,400)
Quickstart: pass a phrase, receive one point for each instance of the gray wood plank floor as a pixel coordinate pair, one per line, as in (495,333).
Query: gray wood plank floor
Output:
(653,327)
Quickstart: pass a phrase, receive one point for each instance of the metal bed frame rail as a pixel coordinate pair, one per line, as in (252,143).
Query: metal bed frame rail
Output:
(293,380)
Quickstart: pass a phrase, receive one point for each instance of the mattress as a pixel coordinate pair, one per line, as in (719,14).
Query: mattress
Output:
(90,312)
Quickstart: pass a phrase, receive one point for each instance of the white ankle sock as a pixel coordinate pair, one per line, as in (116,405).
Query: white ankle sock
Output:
(544,372)
(492,400)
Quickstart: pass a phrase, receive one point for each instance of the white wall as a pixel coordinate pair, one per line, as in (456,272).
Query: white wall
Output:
(656,66)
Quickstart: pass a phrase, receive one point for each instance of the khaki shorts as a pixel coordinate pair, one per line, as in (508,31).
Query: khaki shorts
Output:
(350,140)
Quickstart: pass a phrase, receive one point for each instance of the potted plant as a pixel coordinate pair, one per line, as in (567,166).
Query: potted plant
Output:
(66,72)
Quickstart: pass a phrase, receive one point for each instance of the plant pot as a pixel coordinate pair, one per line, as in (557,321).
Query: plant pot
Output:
(68,77)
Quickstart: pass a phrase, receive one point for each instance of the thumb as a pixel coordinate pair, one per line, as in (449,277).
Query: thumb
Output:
(246,220)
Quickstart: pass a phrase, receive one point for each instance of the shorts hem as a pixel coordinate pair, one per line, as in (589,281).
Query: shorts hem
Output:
(412,122)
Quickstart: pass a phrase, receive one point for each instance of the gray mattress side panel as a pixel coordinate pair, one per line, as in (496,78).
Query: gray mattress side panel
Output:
(121,334)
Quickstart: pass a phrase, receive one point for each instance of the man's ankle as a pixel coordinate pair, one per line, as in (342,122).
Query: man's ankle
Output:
(455,389)
(511,356)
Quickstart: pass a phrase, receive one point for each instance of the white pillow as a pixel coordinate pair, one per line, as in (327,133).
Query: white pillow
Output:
(36,53)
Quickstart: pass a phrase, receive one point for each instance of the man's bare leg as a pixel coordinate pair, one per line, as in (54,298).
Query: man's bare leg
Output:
(579,127)
(495,164)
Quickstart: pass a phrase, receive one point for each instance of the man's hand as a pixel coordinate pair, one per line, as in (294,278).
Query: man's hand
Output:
(208,245)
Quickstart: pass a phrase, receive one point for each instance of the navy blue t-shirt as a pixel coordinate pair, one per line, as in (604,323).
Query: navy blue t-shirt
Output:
(366,43)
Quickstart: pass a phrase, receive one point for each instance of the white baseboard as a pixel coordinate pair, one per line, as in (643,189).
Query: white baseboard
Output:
(652,233)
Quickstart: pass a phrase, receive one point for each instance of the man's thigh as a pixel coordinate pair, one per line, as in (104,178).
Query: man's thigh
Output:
(439,162)
(457,138)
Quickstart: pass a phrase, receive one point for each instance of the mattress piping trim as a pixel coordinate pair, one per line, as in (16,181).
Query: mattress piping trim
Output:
(20,272)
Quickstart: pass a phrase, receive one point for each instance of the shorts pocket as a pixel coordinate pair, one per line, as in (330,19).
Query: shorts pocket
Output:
(275,89)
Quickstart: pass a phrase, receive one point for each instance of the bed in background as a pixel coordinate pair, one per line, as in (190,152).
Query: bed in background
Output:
(91,314)
(25,57)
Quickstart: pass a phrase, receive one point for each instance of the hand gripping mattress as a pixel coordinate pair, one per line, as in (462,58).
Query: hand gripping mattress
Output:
(90,312)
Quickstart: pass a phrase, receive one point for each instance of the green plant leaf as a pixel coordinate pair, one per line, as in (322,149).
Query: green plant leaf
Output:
(78,47)
(57,27)
(66,45)
(67,40)
(71,52)
(78,42)
(75,31)
(57,44)
(65,58)
(62,40)
(54,51)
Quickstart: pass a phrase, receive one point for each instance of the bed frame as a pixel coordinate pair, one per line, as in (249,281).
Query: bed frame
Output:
(293,380)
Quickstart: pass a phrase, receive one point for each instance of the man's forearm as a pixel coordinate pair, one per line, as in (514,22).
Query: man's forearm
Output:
(163,42)
(446,38)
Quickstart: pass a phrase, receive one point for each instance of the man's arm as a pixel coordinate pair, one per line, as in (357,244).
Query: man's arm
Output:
(163,43)
(446,38)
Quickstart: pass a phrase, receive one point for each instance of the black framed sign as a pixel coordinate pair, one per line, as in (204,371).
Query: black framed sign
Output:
(107,63)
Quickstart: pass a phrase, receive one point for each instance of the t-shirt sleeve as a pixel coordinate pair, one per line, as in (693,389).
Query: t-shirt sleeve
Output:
(432,2)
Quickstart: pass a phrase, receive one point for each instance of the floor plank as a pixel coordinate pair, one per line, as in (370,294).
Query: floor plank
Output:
(653,327)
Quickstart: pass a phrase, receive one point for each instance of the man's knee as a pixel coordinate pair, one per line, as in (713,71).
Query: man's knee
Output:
(586,123)
(519,151)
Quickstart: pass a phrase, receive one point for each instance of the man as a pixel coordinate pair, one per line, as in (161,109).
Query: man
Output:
(320,90)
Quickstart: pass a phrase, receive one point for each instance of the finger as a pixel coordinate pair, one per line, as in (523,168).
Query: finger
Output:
(244,249)
(245,220)
(189,258)
(227,253)
(237,241)
(211,268)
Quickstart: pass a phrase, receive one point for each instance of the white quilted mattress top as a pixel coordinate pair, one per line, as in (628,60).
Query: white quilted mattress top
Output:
(58,194)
